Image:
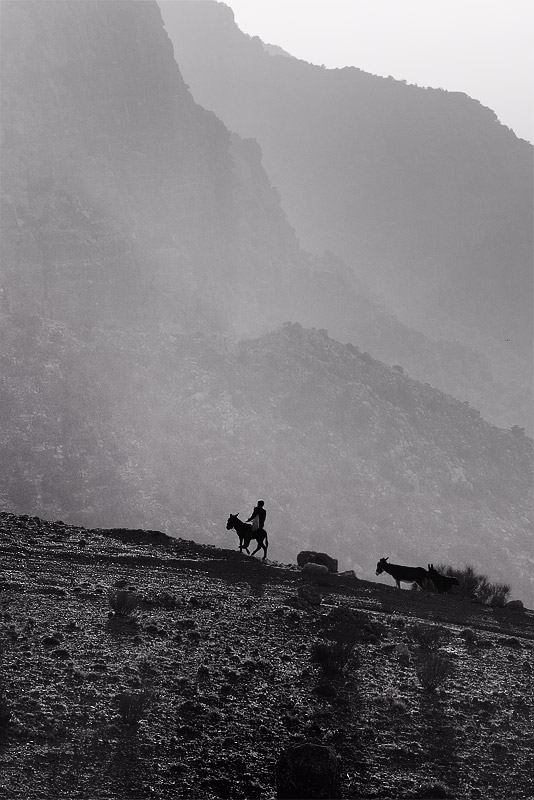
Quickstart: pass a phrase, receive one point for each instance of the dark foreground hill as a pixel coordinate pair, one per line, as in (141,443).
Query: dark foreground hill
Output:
(221,659)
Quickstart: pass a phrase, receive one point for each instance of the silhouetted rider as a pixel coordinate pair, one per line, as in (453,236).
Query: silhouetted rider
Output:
(258,516)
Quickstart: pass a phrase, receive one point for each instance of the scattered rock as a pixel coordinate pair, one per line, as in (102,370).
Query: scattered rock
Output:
(510,642)
(308,772)
(51,641)
(433,791)
(403,653)
(315,569)
(515,605)
(310,595)
(310,556)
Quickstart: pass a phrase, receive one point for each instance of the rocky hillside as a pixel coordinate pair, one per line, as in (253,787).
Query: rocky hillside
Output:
(421,191)
(130,429)
(221,671)
(122,199)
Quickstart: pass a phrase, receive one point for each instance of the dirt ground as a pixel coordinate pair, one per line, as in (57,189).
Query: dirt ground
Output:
(220,658)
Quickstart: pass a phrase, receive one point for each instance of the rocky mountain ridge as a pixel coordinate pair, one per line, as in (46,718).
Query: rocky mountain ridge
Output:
(421,192)
(124,202)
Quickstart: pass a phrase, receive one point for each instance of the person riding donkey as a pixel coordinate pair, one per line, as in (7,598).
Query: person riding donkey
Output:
(258,517)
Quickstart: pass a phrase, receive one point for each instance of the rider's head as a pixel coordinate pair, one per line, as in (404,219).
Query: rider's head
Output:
(261,503)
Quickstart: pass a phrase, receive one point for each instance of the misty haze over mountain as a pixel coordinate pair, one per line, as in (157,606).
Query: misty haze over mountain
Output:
(174,346)
(423,193)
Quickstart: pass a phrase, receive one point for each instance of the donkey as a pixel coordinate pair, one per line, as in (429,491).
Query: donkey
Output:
(246,535)
(416,575)
(442,582)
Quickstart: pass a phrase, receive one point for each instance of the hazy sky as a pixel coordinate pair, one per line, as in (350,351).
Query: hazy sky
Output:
(481,47)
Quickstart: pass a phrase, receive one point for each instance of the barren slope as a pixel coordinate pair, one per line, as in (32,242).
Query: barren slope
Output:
(227,663)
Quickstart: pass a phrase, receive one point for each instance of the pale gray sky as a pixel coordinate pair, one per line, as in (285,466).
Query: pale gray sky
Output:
(481,47)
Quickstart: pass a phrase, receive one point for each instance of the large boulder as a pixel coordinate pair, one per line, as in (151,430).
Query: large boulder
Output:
(515,605)
(308,771)
(315,569)
(310,556)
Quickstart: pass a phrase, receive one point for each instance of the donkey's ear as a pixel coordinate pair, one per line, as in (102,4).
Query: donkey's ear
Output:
(386,558)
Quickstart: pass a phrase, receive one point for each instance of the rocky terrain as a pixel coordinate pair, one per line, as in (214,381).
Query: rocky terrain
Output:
(215,675)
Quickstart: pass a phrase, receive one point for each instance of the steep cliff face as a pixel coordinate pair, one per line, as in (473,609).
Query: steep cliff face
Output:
(123,199)
(421,190)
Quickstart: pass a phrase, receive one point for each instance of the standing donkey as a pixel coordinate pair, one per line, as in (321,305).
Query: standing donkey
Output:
(416,575)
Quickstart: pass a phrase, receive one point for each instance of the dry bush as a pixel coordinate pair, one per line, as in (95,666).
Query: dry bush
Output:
(123,603)
(132,706)
(469,638)
(478,585)
(432,670)
(332,657)
(428,637)
(5,711)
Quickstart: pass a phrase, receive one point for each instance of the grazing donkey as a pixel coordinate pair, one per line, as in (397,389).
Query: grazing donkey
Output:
(246,535)
(416,575)
(442,582)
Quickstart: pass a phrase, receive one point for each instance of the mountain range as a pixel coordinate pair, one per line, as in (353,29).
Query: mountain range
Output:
(170,352)
(422,192)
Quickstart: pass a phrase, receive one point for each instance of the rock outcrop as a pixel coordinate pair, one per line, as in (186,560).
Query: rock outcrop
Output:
(310,556)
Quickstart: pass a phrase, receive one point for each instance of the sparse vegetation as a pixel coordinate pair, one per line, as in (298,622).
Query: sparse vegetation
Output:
(123,603)
(332,657)
(478,585)
(132,706)
(428,637)
(5,711)
(469,637)
(432,670)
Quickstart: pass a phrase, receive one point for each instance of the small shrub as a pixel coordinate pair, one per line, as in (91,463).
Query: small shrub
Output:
(132,706)
(432,670)
(147,671)
(123,603)
(478,585)
(469,637)
(332,657)
(500,594)
(428,637)
(5,711)
(433,791)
